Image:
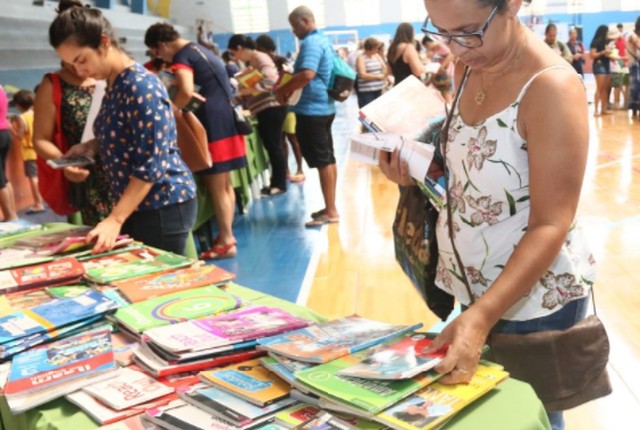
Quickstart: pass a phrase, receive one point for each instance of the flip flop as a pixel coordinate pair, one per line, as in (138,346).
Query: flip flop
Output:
(274,191)
(322,220)
(318,214)
(32,211)
(297,178)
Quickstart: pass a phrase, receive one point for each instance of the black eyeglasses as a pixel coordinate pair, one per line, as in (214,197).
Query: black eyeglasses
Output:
(468,40)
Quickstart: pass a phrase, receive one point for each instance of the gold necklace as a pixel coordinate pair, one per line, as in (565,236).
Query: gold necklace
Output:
(481,95)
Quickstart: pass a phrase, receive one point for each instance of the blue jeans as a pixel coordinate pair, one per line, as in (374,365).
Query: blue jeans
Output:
(564,318)
(165,228)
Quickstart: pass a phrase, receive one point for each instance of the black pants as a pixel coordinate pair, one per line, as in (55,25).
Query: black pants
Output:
(165,228)
(5,145)
(270,123)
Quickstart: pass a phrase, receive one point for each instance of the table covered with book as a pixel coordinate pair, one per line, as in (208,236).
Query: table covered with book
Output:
(141,338)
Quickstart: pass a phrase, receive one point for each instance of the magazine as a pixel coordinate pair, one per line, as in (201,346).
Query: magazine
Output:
(148,287)
(401,360)
(53,370)
(248,380)
(64,270)
(53,314)
(330,340)
(126,389)
(231,409)
(174,308)
(136,262)
(435,404)
(239,326)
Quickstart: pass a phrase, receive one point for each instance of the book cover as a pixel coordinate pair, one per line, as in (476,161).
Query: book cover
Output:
(330,340)
(14,302)
(46,366)
(296,415)
(369,395)
(248,380)
(291,365)
(153,366)
(401,360)
(148,287)
(123,348)
(47,240)
(53,314)
(13,228)
(176,307)
(181,415)
(11,258)
(66,291)
(436,403)
(277,368)
(126,389)
(228,408)
(49,273)
(325,421)
(249,78)
(242,325)
(282,80)
(137,262)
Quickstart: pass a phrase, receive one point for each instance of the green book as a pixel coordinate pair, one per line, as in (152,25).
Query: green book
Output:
(137,262)
(174,308)
(359,394)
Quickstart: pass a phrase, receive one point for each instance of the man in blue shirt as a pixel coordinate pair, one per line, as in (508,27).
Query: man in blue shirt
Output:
(314,111)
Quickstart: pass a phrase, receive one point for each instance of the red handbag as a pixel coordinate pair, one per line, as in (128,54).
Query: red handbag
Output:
(53,185)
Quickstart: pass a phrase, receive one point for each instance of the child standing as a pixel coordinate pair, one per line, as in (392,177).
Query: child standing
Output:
(23,129)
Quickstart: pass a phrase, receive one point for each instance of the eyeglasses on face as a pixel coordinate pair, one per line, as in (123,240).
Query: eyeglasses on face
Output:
(468,40)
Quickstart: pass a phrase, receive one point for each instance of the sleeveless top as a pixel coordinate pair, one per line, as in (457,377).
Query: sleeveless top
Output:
(400,69)
(373,66)
(489,189)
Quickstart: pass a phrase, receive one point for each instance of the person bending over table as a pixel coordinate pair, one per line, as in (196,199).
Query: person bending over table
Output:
(135,134)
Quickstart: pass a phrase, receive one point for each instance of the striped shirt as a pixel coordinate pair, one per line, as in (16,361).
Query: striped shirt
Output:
(265,98)
(372,66)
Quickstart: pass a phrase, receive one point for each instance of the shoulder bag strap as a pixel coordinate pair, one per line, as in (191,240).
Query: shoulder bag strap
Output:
(215,75)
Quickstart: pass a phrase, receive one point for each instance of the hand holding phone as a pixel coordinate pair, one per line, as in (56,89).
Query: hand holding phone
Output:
(78,161)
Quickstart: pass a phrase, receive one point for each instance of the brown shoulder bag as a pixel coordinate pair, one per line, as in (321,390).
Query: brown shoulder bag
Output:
(192,141)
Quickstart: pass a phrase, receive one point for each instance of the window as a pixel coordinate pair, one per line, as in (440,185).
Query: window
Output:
(413,10)
(629,5)
(584,6)
(362,12)
(316,6)
(250,16)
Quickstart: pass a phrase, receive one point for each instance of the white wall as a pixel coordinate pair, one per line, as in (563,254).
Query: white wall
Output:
(186,12)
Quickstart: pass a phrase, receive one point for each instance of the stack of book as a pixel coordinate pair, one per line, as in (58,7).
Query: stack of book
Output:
(59,272)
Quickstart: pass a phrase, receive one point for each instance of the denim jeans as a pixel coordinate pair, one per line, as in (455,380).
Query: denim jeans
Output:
(566,317)
(165,228)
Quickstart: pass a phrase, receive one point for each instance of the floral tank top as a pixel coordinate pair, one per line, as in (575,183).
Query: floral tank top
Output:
(76,101)
(489,190)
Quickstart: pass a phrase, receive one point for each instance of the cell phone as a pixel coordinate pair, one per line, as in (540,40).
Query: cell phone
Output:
(80,161)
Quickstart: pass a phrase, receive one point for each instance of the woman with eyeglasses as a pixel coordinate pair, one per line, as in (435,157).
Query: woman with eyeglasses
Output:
(515,159)
(402,56)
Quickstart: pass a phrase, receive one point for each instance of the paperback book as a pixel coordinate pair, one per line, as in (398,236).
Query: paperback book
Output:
(231,409)
(180,415)
(297,414)
(50,371)
(48,240)
(355,394)
(14,302)
(435,404)
(14,228)
(137,262)
(174,308)
(239,326)
(123,348)
(249,381)
(401,360)
(249,78)
(327,341)
(54,314)
(11,258)
(148,287)
(64,270)
(283,79)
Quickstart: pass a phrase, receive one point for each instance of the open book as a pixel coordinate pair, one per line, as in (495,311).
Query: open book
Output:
(282,80)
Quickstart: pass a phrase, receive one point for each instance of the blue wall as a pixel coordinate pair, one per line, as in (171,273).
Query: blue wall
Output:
(285,39)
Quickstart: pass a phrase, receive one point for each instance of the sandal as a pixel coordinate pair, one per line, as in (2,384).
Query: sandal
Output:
(322,220)
(298,177)
(218,252)
(318,214)
(274,191)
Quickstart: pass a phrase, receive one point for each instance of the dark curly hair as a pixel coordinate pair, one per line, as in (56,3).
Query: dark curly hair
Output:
(161,32)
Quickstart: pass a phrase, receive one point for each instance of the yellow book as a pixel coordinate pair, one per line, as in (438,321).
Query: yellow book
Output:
(250,78)
(436,403)
(248,380)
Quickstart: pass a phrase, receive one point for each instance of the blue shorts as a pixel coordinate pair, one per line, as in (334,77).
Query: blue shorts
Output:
(600,68)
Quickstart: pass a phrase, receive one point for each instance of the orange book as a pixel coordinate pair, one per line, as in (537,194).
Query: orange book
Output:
(250,78)
(150,286)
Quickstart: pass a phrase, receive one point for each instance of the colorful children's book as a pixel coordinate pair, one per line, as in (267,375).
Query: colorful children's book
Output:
(46,240)
(54,314)
(277,368)
(126,389)
(11,258)
(13,228)
(327,341)
(123,348)
(137,262)
(285,77)
(296,415)
(15,302)
(248,380)
(239,326)
(231,409)
(176,307)
(56,272)
(66,291)
(436,403)
(356,394)
(249,78)
(289,364)
(179,415)
(401,360)
(73,243)
(148,287)
(53,370)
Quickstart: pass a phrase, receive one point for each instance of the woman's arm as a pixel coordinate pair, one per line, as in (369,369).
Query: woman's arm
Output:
(44,121)
(555,184)
(412,58)
(185,84)
(106,232)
